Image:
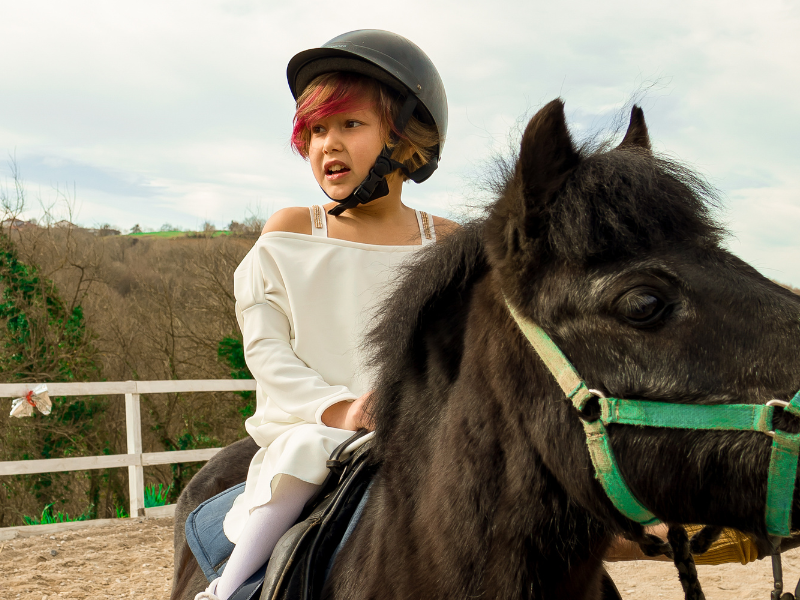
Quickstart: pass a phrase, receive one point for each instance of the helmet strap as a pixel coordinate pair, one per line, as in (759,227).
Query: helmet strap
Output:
(375,185)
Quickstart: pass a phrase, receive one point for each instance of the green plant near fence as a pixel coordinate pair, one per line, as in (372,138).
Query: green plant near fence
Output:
(45,338)
(230,351)
(153,496)
(48,517)
(156,496)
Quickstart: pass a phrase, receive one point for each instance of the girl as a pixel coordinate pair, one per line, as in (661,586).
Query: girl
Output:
(371,114)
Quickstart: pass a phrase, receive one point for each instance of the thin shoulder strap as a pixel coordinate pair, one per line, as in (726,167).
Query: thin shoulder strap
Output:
(319,221)
(426,230)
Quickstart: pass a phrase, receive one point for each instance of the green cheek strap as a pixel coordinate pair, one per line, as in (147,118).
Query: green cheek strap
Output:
(782,476)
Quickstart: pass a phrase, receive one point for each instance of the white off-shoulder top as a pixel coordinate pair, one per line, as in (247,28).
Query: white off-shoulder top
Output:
(304,304)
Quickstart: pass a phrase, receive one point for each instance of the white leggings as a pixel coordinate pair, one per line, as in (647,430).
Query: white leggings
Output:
(264,527)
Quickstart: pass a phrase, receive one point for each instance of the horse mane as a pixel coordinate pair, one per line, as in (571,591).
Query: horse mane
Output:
(440,275)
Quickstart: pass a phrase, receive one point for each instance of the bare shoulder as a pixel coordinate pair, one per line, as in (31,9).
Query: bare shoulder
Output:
(295,219)
(444,227)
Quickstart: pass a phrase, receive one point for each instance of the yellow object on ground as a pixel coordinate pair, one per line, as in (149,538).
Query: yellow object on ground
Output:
(732,546)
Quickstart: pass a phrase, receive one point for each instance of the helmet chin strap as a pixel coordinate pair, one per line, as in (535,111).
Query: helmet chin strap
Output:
(375,185)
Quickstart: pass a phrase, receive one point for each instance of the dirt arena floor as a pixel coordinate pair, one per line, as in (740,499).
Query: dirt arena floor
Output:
(133,559)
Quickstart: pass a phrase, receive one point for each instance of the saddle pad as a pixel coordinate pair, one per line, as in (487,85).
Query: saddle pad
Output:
(350,528)
(204,533)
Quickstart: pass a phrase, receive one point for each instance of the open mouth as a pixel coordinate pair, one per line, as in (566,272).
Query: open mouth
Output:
(335,171)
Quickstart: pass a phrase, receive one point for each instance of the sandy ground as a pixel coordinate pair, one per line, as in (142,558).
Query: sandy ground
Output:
(641,580)
(133,559)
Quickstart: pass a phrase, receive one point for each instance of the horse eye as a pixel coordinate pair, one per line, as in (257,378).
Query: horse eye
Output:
(642,308)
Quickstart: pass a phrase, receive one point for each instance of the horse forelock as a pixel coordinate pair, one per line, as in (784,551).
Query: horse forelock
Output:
(614,204)
(626,201)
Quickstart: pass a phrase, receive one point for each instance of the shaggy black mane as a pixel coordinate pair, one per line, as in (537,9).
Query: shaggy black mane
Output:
(439,278)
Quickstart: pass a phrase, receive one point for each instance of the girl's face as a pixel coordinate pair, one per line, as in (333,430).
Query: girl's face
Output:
(343,148)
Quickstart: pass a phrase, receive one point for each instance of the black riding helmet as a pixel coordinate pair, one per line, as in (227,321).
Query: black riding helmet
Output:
(402,66)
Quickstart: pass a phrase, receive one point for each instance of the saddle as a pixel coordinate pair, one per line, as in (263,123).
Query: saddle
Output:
(303,557)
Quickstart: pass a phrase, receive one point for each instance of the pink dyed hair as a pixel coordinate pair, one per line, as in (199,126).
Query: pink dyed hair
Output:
(334,93)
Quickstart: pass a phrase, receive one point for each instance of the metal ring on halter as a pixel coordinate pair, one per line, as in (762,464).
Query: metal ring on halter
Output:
(587,413)
(782,404)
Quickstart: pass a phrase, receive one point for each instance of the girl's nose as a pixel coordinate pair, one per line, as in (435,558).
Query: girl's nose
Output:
(333,142)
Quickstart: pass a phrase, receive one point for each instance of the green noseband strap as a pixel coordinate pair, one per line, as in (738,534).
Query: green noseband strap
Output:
(723,417)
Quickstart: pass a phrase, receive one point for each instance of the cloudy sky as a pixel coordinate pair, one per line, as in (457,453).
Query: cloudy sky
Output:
(178,112)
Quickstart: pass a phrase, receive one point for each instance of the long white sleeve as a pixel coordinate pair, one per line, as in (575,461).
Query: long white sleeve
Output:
(265,317)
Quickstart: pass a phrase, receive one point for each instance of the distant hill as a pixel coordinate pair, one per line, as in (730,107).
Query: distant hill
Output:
(177,234)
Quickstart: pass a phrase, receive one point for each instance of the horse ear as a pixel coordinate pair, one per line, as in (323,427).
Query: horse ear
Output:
(547,154)
(516,228)
(637,135)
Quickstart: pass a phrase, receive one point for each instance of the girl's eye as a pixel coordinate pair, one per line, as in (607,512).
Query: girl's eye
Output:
(352,123)
(317,129)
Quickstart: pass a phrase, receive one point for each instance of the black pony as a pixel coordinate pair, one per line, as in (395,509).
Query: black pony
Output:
(485,487)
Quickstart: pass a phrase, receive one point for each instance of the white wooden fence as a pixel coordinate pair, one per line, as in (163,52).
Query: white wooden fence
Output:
(135,459)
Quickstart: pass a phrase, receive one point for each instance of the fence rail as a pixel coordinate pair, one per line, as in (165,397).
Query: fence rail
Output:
(135,459)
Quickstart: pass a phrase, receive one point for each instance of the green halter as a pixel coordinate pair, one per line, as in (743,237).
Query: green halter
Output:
(728,417)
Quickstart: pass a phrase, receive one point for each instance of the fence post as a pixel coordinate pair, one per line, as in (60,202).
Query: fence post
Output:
(133,423)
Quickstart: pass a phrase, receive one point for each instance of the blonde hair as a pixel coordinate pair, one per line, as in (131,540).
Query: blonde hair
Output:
(333,93)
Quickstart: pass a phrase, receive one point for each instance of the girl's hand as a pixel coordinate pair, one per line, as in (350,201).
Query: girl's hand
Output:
(357,416)
(351,416)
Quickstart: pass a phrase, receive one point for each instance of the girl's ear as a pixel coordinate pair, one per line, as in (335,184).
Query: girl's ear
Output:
(636,136)
(519,222)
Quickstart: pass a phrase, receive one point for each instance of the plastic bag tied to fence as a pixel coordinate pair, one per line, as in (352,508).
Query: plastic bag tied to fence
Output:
(37,397)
